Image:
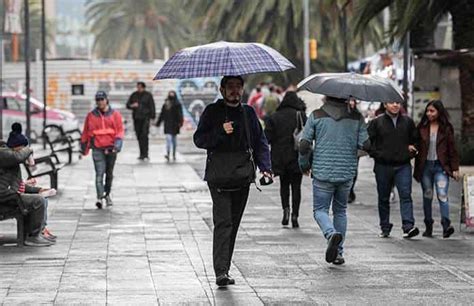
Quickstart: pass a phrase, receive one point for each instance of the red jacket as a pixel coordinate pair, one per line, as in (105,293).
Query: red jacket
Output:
(445,149)
(102,130)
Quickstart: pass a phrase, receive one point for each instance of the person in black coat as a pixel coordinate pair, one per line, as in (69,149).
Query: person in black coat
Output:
(172,116)
(279,131)
(143,110)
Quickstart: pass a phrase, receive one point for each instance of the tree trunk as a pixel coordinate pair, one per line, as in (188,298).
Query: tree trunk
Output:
(462,13)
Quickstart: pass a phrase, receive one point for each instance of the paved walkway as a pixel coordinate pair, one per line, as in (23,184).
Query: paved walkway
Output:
(154,246)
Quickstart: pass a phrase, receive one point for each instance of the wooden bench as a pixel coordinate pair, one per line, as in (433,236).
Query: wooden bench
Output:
(12,208)
(45,166)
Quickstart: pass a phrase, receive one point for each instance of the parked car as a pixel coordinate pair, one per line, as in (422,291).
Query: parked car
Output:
(14,107)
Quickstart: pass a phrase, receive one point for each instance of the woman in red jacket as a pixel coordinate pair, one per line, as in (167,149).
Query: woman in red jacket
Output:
(437,160)
(103,132)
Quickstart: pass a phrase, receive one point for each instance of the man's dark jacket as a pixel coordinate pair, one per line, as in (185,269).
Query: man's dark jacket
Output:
(146,105)
(279,130)
(210,133)
(389,144)
(10,173)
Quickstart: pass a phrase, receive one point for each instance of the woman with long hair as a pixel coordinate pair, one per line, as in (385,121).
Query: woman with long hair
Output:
(172,116)
(437,160)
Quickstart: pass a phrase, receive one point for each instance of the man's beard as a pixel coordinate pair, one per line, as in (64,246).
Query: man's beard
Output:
(234,101)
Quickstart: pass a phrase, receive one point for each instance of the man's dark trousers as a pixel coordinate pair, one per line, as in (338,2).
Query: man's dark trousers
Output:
(227,210)
(386,177)
(34,204)
(142,127)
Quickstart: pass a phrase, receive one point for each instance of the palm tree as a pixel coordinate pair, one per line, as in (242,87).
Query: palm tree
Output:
(279,24)
(139,29)
(421,18)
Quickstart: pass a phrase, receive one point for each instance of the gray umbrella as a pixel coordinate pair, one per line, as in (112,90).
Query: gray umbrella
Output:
(352,85)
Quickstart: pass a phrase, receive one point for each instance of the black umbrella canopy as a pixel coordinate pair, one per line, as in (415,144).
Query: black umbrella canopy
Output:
(352,85)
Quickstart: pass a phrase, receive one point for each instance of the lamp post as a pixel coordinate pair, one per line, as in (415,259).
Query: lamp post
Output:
(27,67)
(43,59)
(306,37)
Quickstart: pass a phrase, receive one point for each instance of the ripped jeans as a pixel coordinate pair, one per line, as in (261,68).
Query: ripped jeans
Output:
(433,174)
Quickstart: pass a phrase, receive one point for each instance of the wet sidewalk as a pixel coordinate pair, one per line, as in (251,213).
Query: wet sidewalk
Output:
(154,246)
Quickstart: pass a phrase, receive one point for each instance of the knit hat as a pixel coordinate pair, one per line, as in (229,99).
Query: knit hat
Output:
(16,138)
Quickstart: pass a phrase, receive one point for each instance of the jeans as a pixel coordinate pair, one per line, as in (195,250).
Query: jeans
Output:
(293,180)
(386,177)
(227,210)
(142,127)
(433,174)
(104,166)
(325,193)
(170,144)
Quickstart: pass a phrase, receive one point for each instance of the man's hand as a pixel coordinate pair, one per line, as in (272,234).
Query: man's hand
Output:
(134,105)
(456,175)
(228,127)
(412,149)
(31,182)
(268,174)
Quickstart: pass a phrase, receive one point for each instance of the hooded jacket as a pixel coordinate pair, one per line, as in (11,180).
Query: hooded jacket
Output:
(279,130)
(10,173)
(102,130)
(337,134)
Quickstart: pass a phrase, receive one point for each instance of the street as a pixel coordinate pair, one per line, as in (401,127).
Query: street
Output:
(154,246)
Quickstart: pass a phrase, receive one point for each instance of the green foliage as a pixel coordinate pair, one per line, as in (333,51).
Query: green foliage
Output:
(139,29)
(279,24)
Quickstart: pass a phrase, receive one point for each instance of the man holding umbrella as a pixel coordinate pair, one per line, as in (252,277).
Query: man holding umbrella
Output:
(230,132)
(337,132)
(223,129)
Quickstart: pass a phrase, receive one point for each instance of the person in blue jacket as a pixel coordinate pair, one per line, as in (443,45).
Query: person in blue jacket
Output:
(221,129)
(328,151)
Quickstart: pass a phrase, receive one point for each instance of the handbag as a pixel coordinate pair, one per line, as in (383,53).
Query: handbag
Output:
(298,132)
(229,170)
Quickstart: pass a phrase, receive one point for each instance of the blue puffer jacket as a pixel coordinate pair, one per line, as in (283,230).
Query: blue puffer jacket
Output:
(337,134)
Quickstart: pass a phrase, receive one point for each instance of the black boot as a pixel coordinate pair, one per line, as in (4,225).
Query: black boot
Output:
(448,230)
(294,221)
(429,229)
(286,216)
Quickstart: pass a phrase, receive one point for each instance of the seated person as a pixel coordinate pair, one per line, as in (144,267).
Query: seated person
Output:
(17,141)
(10,183)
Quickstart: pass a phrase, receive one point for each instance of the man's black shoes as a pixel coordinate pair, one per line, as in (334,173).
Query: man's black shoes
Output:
(333,247)
(223,280)
(411,233)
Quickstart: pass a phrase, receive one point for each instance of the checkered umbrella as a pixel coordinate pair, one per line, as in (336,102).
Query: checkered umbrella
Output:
(223,58)
(352,85)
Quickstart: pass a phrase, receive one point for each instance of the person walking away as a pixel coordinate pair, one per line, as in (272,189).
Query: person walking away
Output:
(436,161)
(103,132)
(337,132)
(279,130)
(223,132)
(12,186)
(172,116)
(270,103)
(143,110)
(393,137)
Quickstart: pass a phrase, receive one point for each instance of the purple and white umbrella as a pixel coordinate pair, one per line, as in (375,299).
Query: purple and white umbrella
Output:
(223,58)
(352,85)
